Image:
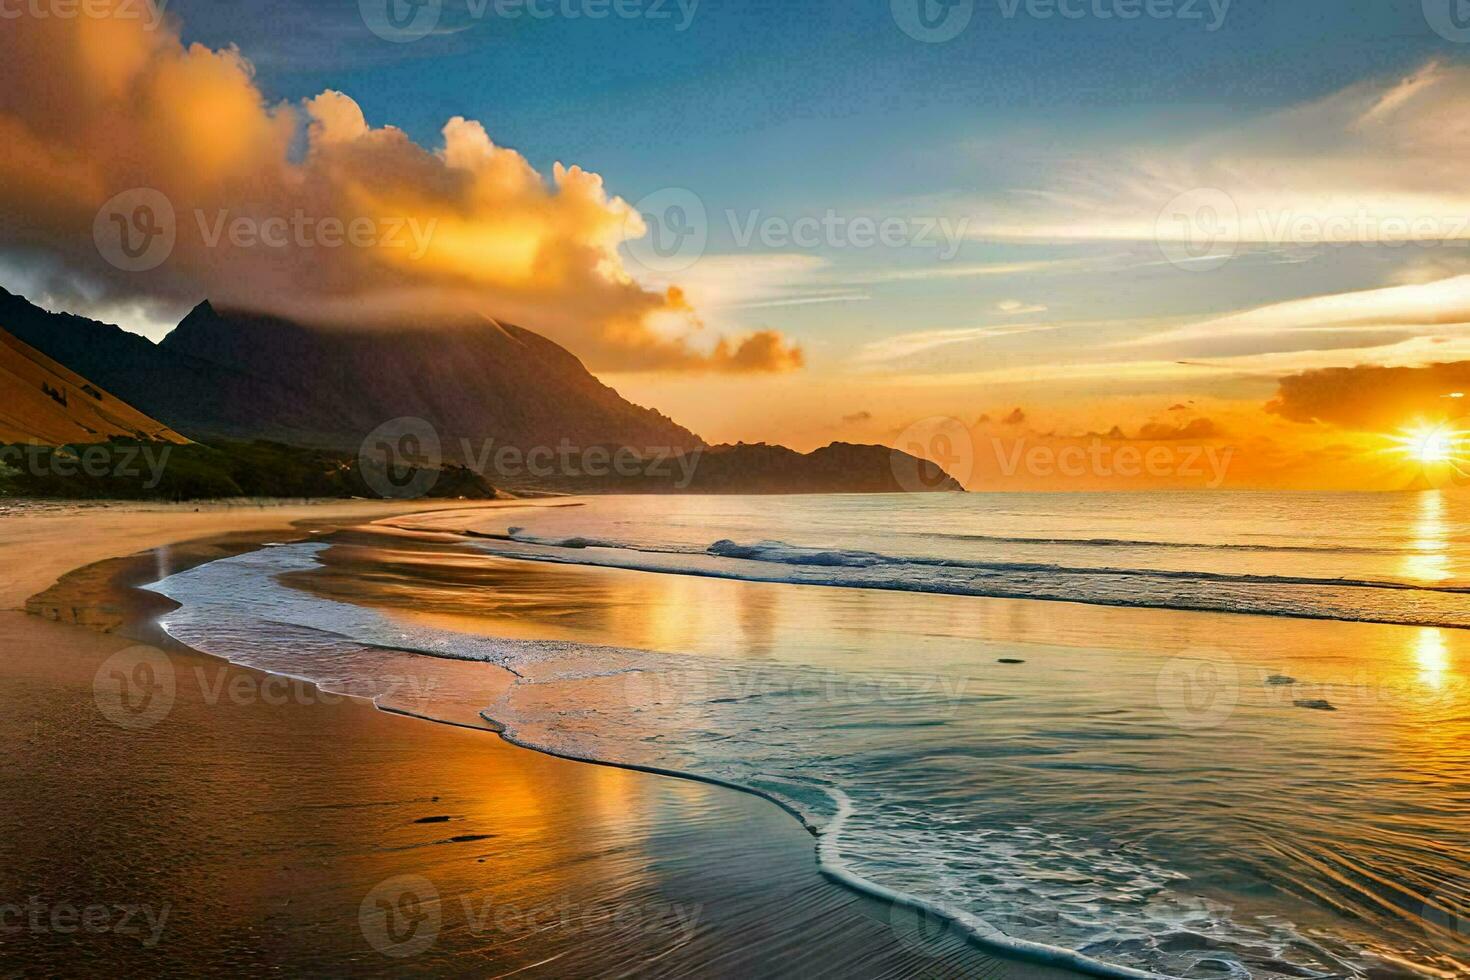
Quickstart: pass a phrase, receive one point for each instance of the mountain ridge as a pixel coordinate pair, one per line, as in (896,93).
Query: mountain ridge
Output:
(46,403)
(239,375)
(469,385)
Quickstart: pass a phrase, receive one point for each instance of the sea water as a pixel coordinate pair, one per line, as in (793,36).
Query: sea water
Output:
(1204,755)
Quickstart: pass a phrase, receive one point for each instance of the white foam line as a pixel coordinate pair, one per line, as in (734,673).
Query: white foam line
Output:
(830,862)
(834,867)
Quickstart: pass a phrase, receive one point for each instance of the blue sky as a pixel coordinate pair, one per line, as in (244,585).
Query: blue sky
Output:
(816,91)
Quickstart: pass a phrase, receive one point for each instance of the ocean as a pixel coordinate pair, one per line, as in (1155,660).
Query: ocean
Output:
(1172,734)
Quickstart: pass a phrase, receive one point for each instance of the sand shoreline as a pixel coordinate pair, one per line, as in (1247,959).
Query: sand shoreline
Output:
(778,916)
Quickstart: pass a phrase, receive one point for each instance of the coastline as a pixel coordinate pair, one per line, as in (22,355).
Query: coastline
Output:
(1095,677)
(746,866)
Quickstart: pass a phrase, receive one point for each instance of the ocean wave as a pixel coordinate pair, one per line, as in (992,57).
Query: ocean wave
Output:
(784,553)
(780,552)
(1345,598)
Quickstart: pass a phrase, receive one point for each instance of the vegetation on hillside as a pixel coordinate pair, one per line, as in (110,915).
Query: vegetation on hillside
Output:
(132,470)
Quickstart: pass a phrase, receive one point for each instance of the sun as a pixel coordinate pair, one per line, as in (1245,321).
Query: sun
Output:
(1430,444)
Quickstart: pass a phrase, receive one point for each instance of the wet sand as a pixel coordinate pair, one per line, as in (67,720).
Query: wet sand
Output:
(258,825)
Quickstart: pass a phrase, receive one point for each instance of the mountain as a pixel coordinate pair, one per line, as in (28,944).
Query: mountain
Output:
(841,467)
(758,468)
(482,386)
(244,376)
(43,402)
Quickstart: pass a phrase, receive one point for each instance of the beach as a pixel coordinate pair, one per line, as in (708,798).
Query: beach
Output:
(606,736)
(1178,735)
(264,825)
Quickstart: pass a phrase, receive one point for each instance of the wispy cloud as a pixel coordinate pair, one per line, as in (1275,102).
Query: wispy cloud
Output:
(1091,263)
(1422,307)
(1378,161)
(755,280)
(908,344)
(844,297)
(1014,307)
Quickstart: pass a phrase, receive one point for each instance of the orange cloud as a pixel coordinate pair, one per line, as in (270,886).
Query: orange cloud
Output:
(1373,398)
(308,211)
(1193,429)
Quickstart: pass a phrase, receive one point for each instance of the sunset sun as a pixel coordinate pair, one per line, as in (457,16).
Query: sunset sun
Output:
(1430,444)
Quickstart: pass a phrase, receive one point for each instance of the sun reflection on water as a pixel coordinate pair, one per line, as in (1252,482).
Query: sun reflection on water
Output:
(1433,656)
(1430,560)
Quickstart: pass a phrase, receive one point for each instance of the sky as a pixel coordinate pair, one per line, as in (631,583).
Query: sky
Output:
(1098,225)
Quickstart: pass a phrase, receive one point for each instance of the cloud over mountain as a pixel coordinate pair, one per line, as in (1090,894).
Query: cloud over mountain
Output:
(307,210)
